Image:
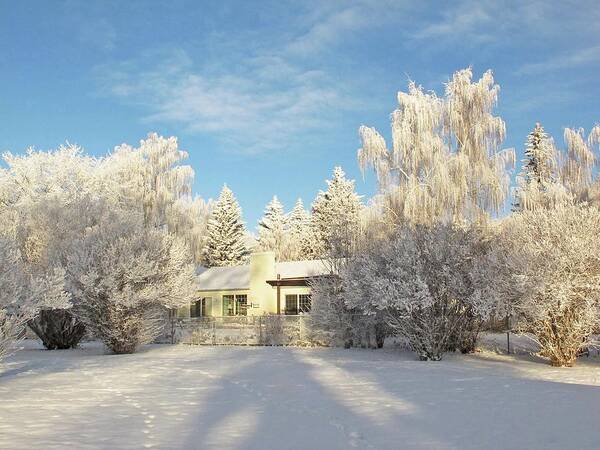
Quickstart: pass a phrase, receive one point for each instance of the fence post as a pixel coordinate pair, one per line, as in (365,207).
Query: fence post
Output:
(214,332)
(260,338)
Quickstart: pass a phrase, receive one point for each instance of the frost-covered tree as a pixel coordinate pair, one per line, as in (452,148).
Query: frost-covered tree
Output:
(337,208)
(330,315)
(226,234)
(548,269)
(151,177)
(272,228)
(577,162)
(48,200)
(538,185)
(124,276)
(426,282)
(188,219)
(300,237)
(23,295)
(41,208)
(445,163)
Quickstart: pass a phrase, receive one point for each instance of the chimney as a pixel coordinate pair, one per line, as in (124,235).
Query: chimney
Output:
(262,269)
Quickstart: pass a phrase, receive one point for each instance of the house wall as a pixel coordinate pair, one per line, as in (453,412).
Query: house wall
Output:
(262,297)
(214,306)
(262,268)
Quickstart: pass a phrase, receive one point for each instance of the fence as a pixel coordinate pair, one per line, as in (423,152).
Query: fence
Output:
(247,330)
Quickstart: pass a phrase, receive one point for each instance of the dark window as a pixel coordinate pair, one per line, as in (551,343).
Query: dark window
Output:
(304,303)
(291,304)
(228,305)
(196,309)
(241,305)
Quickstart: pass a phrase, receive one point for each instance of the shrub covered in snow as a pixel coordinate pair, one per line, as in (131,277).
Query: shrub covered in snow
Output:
(22,295)
(548,271)
(426,284)
(124,276)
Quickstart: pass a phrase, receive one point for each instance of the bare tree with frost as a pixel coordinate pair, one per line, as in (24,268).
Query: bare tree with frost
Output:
(548,269)
(125,276)
(577,162)
(23,295)
(445,163)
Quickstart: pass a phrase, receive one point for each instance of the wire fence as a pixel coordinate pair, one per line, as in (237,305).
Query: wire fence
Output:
(247,330)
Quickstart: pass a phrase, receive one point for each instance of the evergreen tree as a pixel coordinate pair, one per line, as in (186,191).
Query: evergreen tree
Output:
(272,228)
(226,242)
(336,214)
(538,173)
(300,239)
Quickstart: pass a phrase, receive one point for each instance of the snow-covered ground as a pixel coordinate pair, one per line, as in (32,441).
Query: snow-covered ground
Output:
(186,397)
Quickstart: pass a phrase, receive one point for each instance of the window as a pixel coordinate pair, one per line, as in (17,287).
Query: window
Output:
(228,305)
(203,307)
(196,309)
(291,304)
(304,303)
(241,305)
(235,305)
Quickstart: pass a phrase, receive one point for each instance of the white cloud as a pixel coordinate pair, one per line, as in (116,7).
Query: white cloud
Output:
(263,104)
(461,20)
(582,57)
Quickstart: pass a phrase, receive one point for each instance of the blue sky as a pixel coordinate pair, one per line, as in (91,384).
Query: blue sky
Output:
(268,96)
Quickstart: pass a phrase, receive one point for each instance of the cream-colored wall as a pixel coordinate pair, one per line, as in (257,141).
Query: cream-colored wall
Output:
(262,268)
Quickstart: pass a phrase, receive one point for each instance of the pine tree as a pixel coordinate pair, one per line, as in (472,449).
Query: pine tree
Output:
(336,214)
(272,228)
(300,238)
(538,172)
(226,243)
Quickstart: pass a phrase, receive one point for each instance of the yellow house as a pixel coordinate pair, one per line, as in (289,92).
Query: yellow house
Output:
(261,287)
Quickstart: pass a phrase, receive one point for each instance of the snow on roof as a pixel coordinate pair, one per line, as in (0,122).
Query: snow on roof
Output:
(298,269)
(216,278)
(238,277)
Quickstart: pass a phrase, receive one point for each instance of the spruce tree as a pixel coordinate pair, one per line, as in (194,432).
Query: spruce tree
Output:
(537,174)
(272,228)
(300,239)
(226,242)
(336,214)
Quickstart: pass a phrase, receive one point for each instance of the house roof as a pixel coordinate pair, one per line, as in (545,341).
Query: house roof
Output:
(224,278)
(238,277)
(300,269)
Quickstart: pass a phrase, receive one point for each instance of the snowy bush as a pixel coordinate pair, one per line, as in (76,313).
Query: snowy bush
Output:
(548,270)
(23,295)
(424,283)
(124,276)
